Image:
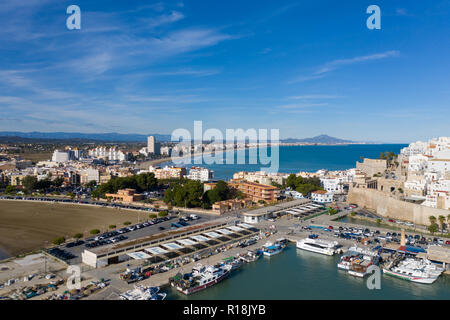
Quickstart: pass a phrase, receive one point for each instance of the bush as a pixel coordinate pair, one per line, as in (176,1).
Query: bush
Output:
(59,240)
(163,213)
(94,231)
(353,214)
(378,221)
(127,223)
(152,215)
(78,235)
(10,189)
(113,226)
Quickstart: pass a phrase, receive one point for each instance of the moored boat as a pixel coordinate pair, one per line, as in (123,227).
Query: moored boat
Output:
(271,249)
(200,278)
(318,245)
(143,293)
(420,271)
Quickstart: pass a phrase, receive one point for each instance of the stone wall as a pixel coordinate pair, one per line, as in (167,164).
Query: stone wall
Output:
(389,207)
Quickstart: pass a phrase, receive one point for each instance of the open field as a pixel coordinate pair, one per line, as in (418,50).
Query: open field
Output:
(25,226)
(36,157)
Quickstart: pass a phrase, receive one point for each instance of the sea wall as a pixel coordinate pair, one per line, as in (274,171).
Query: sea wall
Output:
(389,207)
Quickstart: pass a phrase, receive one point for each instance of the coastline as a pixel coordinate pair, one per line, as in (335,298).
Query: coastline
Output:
(4,255)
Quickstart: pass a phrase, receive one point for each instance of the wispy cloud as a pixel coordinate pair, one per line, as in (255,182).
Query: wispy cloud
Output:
(314,96)
(328,67)
(335,64)
(302,105)
(172,17)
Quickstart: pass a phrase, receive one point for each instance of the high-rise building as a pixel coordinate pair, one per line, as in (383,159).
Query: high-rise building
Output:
(153,146)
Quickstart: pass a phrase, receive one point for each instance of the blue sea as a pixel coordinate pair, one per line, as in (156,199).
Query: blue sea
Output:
(293,159)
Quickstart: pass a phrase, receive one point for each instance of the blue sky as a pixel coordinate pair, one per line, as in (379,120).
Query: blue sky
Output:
(305,67)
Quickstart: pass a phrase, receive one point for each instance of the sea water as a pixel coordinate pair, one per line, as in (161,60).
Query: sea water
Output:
(296,274)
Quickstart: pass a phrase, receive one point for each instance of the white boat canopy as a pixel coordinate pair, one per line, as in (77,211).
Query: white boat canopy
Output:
(172,246)
(234,228)
(139,255)
(224,231)
(212,234)
(156,250)
(200,238)
(244,225)
(186,242)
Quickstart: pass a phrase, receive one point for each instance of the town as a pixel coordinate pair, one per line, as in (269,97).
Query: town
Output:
(174,216)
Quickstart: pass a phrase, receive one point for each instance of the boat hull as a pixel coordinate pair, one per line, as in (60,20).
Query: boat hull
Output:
(202,287)
(409,278)
(316,250)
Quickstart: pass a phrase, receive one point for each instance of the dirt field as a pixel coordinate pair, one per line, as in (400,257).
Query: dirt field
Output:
(25,226)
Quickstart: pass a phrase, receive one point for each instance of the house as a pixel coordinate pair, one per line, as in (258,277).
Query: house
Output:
(321,196)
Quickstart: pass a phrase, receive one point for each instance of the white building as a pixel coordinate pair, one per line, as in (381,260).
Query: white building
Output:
(61,156)
(417,163)
(333,185)
(112,154)
(200,174)
(440,162)
(321,196)
(91,175)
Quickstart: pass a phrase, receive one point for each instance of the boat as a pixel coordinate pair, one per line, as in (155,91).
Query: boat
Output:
(200,278)
(250,256)
(357,260)
(420,271)
(318,245)
(143,293)
(271,249)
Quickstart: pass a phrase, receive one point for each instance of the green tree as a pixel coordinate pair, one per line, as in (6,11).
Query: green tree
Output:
(433,228)
(163,213)
(71,195)
(112,226)
(10,189)
(152,215)
(78,235)
(441,222)
(59,240)
(432,219)
(94,231)
(29,182)
(127,223)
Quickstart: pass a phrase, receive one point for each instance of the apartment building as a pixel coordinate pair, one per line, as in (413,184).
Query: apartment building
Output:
(256,191)
(168,172)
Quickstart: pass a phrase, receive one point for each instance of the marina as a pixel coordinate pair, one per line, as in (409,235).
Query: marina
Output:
(298,274)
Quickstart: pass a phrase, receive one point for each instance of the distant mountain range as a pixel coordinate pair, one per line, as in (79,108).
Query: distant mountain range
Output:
(120,137)
(116,137)
(321,139)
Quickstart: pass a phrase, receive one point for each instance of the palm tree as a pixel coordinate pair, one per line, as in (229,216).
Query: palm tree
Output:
(432,219)
(441,222)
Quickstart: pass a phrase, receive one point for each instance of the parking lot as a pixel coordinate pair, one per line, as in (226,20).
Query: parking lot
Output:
(146,228)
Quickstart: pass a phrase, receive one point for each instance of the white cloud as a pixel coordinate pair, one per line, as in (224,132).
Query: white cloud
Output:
(330,66)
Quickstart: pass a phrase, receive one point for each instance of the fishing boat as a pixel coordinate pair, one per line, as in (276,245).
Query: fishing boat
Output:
(318,245)
(271,249)
(143,293)
(250,256)
(357,260)
(200,278)
(420,271)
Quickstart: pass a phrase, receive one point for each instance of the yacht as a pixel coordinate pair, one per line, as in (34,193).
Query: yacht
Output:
(200,278)
(271,249)
(143,293)
(420,271)
(318,245)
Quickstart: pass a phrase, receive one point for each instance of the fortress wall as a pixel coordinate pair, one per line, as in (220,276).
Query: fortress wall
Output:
(389,207)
